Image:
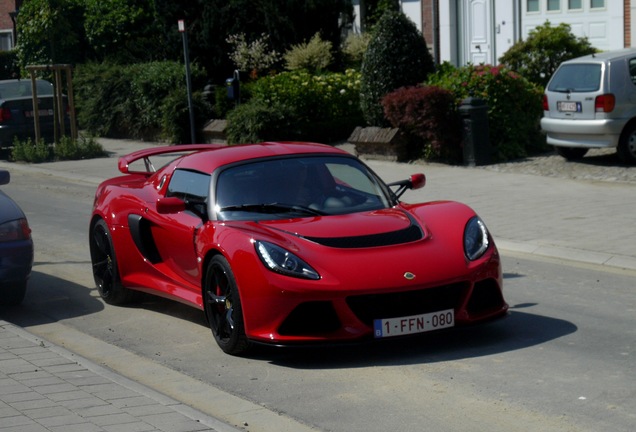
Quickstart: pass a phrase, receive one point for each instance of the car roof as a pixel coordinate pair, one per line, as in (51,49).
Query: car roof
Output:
(210,160)
(604,56)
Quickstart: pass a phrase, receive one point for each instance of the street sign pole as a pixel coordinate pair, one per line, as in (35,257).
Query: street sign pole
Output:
(186,55)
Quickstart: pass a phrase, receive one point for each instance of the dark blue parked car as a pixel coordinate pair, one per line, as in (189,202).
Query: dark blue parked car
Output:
(16,248)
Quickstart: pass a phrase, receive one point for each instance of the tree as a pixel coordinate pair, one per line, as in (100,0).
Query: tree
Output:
(397,56)
(126,31)
(48,32)
(546,47)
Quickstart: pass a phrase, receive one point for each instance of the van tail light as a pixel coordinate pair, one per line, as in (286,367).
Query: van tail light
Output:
(545,103)
(5,114)
(605,103)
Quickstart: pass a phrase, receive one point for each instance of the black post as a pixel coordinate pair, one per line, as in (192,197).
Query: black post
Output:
(188,80)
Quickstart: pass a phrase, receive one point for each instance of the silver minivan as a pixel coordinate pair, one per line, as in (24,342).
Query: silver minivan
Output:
(590,102)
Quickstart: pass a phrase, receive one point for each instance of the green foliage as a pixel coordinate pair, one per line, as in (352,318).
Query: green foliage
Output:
(50,31)
(30,151)
(313,56)
(257,121)
(514,132)
(537,57)
(176,116)
(430,114)
(9,65)
(66,149)
(301,105)
(253,57)
(397,56)
(353,49)
(122,30)
(114,100)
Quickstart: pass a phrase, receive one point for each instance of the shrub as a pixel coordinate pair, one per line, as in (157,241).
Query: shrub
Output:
(397,56)
(514,131)
(430,114)
(82,148)
(257,121)
(30,151)
(252,57)
(115,101)
(313,56)
(353,49)
(9,65)
(176,116)
(537,57)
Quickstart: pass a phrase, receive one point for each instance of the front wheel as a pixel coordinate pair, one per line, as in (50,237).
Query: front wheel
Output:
(627,146)
(223,307)
(571,153)
(105,270)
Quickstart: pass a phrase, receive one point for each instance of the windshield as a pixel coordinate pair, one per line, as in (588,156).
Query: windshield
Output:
(576,78)
(298,187)
(22,88)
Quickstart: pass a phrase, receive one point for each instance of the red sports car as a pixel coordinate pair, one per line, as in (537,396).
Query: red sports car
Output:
(287,243)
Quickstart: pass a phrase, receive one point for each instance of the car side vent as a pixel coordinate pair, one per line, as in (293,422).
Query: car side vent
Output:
(407,235)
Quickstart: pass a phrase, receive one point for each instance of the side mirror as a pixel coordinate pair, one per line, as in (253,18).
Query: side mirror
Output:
(170,205)
(416,181)
(5,177)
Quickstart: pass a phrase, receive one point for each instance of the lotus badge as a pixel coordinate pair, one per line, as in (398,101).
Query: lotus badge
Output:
(409,276)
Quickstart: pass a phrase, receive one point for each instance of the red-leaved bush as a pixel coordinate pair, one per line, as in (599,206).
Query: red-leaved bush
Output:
(428,113)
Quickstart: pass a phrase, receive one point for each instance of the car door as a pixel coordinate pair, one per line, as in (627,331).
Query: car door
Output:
(174,233)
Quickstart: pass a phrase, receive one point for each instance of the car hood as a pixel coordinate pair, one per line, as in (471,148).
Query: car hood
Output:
(9,210)
(367,229)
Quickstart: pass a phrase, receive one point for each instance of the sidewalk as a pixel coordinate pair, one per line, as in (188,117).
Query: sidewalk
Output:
(46,388)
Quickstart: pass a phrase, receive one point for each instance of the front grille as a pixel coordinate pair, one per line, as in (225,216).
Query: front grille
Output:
(407,235)
(310,318)
(401,304)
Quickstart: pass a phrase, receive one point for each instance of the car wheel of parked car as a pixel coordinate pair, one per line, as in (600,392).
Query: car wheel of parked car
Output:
(105,267)
(571,153)
(13,294)
(627,145)
(223,307)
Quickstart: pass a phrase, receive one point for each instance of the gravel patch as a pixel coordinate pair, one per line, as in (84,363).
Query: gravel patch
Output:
(598,165)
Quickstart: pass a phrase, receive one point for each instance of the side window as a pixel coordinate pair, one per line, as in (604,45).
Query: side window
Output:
(189,185)
(632,70)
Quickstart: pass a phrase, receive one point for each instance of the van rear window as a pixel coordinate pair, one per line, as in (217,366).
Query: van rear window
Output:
(576,78)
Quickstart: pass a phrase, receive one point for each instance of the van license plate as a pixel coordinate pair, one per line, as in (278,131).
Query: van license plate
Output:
(567,106)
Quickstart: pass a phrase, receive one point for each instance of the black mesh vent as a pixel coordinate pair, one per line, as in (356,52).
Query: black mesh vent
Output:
(394,305)
(407,235)
(486,297)
(310,318)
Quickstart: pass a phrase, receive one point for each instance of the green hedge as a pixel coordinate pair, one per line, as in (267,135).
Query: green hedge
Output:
(130,101)
(514,105)
(298,106)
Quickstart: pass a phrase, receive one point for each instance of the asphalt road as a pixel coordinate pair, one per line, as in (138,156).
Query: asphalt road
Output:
(562,361)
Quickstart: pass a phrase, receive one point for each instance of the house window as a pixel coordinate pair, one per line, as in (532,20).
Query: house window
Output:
(6,41)
(597,4)
(575,4)
(554,5)
(532,6)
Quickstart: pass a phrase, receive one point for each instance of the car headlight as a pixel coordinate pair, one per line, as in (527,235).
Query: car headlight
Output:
(284,262)
(15,230)
(476,239)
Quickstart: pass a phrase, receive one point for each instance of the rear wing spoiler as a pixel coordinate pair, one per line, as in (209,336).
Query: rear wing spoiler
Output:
(145,154)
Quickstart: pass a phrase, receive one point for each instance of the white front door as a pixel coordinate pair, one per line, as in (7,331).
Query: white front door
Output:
(478,31)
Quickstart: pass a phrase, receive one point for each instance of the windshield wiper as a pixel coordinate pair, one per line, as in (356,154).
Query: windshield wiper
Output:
(274,208)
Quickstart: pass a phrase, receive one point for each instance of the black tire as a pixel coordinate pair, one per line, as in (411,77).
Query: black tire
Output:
(105,270)
(223,307)
(627,145)
(571,153)
(12,294)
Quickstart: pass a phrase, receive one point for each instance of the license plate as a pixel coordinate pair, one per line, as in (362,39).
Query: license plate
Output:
(42,112)
(567,106)
(413,324)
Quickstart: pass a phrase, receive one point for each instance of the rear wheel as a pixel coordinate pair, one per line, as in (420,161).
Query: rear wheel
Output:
(223,307)
(105,270)
(627,145)
(571,153)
